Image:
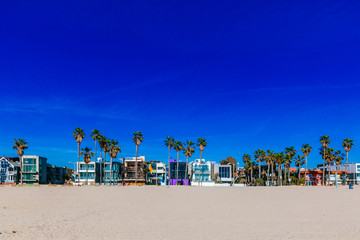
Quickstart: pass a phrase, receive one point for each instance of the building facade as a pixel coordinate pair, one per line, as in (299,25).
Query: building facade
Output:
(157,173)
(180,173)
(115,169)
(9,171)
(91,170)
(224,173)
(129,170)
(201,171)
(55,175)
(34,169)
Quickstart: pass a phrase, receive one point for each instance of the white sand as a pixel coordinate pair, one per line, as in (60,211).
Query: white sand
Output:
(179,213)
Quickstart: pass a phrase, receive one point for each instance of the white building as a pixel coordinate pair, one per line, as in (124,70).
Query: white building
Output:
(9,171)
(91,173)
(224,172)
(203,171)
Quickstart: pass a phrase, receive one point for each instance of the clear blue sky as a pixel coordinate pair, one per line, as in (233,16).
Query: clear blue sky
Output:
(242,74)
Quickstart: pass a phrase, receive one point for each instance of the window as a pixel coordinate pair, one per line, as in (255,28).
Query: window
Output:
(29,168)
(29,160)
(181,172)
(224,172)
(91,176)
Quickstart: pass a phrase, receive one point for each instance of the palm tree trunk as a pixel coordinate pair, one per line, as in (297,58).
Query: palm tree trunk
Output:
(323,174)
(279,175)
(95,162)
(177,168)
(78,166)
(21,170)
(104,167)
(305,170)
(267,177)
(186,167)
(347,155)
(111,169)
(100,166)
(168,166)
(86,174)
(329,174)
(336,169)
(136,165)
(272,174)
(259,168)
(299,173)
(251,175)
(200,167)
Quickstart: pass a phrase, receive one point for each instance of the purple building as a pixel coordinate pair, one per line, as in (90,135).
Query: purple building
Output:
(182,179)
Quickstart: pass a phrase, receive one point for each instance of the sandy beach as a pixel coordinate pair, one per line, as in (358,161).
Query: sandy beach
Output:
(60,212)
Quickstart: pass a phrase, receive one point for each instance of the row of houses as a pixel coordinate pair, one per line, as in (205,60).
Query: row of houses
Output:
(36,170)
(123,172)
(333,174)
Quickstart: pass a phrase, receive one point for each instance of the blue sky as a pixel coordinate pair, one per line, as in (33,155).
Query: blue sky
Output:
(242,74)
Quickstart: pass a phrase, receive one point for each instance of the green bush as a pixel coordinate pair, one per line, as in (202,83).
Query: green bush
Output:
(243,180)
(301,181)
(294,180)
(259,182)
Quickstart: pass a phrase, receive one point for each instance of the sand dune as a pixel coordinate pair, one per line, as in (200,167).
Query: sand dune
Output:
(61,212)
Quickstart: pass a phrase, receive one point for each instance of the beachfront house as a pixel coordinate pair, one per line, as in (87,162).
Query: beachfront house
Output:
(9,171)
(201,172)
(180,173)
(156,172)
(34,169)
(55,175)
(92,173)
(115,169)
(224,173)
(352,169)
(129,170)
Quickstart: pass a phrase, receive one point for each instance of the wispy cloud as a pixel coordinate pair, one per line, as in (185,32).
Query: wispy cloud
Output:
(66,106)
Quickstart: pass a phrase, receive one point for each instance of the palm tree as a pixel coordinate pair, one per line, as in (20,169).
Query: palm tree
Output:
(260,156)
(330,158)
(79,135)
(169,142)
(306,149)
(251,166)
(188,151)
(95,135)
(114,150)
(299,161)
(20,146)
(279,160)
(289,155)
(138,138)
(178,146)
(246,159)
(104,143)
(338,160)
(347,145)
(269,160)
(201,144)
(325,141)
(87,158)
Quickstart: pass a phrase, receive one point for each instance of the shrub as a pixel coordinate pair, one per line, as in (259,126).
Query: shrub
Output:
(301,181)
(259,182)
(243,181)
